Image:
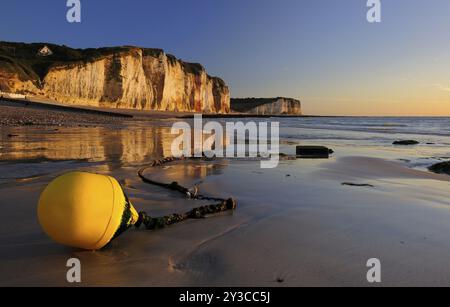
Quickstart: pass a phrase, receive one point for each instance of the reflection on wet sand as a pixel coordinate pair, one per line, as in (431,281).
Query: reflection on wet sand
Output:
(26,152)
(119,146)
(187,172)
(98,144)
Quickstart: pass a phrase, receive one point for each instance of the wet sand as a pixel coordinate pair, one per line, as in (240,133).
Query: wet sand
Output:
(306,229)
(296,225)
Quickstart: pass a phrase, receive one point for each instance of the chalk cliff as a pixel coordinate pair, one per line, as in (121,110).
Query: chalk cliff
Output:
(119,77)
(267,106)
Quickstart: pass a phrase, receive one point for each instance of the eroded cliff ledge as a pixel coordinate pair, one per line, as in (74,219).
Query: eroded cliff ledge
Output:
(267,106)
(118,77)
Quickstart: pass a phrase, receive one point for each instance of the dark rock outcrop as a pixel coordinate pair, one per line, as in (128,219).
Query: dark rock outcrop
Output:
(313,152)
(406,142)
(441,168)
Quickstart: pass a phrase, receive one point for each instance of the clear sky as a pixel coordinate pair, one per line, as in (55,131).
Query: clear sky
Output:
(323,52)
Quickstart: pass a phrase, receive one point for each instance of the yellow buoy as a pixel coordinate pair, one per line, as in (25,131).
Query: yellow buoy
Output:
(85,210)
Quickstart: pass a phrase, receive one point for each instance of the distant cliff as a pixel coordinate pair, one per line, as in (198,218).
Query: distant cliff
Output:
(117,77)
(267,106)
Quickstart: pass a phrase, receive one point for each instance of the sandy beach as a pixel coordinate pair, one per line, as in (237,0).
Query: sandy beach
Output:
(296,225)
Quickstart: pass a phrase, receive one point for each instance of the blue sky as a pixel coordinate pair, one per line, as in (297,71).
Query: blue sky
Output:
(323,52)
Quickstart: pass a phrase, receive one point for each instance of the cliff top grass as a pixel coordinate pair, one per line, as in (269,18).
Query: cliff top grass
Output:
(23,58)
(246,104)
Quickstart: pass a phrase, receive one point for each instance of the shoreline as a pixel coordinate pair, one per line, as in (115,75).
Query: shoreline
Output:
(26,114)
(142,115)
(49,105)
(62,107)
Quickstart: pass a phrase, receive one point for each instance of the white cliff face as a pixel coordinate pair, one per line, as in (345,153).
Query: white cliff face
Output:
(264,106)
(78,84)
(137,79)
(281,106)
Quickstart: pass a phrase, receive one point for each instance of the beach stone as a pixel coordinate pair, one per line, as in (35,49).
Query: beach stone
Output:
(351,184)
(406,142)
(441,168)
(313,152)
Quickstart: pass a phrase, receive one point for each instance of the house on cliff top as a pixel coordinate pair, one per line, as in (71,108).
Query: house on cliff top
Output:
(44,51)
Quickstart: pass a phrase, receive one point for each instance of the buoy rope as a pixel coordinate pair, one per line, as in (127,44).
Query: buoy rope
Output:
(196,213)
